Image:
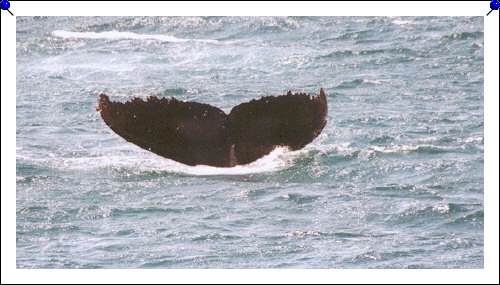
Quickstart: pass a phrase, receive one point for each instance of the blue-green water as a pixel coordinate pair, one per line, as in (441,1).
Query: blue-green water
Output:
(395,180)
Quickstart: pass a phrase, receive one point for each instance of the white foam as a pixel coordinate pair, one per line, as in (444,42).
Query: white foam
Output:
(442,208)
(394,148)
(116,35)
(376,82)
(402,22)
(278,159)
(476,139)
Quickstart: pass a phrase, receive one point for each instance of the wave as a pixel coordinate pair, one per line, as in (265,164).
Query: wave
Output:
(367,52)
(118,212)
(358,82)
(116,35)
(474,219)
(332,234)
(463,36)
(457,212)
(215,236)
(424,149)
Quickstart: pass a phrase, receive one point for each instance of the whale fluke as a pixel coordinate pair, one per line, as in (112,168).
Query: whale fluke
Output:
(194,133)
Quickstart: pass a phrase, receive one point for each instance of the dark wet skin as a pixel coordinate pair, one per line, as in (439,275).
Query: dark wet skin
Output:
(195,133)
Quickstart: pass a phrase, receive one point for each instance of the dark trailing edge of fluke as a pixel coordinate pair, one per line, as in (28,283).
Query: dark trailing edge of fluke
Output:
(195,133)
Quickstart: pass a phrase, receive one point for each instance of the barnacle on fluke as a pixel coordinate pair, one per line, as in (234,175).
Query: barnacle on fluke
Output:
(194,133)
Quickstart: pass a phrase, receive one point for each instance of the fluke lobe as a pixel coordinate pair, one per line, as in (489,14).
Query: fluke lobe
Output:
(194,133)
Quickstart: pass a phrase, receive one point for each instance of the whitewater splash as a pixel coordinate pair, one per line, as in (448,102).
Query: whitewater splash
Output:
(279,159)
(116,35)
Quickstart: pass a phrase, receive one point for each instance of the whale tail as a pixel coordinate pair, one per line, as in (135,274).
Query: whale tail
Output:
(194,133)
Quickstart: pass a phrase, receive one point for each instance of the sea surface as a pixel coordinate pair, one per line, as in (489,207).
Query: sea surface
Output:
(395,180)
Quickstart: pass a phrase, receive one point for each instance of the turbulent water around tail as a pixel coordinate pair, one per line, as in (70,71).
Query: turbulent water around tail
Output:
(395,180)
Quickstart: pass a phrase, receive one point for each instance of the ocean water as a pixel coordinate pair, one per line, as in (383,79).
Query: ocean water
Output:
(395,180)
